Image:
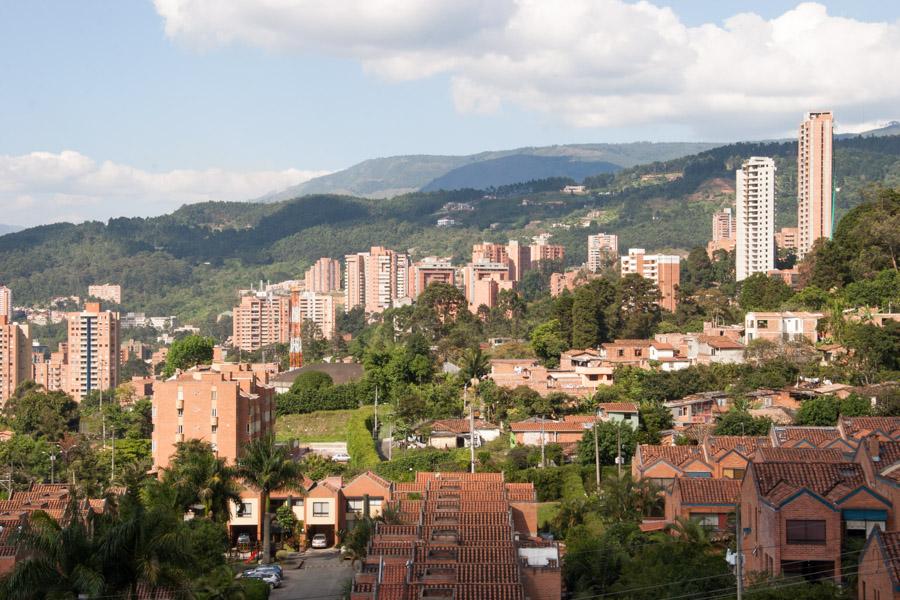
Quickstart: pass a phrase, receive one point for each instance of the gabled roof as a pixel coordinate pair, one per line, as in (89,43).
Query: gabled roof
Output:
(782,454)
(746,445)
(558,426)
(817,436)
(609,407)
(858,427)
(676,456)
(721,342)
(458,426)
(697,490)
(889,544)
(777,482)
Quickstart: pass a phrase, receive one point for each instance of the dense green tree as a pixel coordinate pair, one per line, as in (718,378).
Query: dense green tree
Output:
(741,422)
(473,364)
(821,411)
(202,479)
(311,381)
(761,292)
(873,349)
(697,271)
(593,563)
(188,352)
(855,405)
(133,367)
(548,342)
(589,313)
(32,410)
(624,500)
(635,312)
(612,436)
(562,313)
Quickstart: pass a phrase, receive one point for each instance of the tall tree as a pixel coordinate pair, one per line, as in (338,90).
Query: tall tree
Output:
(188,352)
(267,466)
(200,477)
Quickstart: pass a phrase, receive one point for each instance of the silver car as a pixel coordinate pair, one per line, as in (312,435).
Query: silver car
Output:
(319,541)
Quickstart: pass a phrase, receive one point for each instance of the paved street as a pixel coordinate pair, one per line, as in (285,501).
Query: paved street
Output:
(323,577)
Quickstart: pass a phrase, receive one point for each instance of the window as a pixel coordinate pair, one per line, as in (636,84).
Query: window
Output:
(180,412)
(355,506)
(215,412)
(245,509)
(214,395)
(621,352)
(180,429)
(699,474)
(733,473)
(706,519)
(320,509)
(215,428)
(762,324)
(805,532)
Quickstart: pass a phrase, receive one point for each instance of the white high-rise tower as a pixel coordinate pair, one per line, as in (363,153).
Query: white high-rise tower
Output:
(755,208)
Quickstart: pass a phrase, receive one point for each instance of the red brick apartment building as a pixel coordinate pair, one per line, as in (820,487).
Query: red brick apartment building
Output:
(795,516)
(227,405)
(463,536)
(708,501)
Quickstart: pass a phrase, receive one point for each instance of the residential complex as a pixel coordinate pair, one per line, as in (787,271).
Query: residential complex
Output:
(786,237)
(428,271)
(724,232)
(600,248)
(484,281)
(782,326)
(316,307)
(755,208)
(815,209)
(227,405)
(108,292)
(93,351)
(663,269)
(376,280)
(261,319)
(323,276)
(15,357)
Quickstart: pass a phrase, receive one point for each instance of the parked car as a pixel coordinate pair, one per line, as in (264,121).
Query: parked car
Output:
(274,569)
(243,540)
(341,457)
(269,577)
(319,541)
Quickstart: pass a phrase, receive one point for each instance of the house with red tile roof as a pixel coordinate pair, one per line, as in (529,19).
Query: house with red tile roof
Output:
(662,464)
(798,454)
(620,412)
(857,428)
(729,454)
(457,537)
(796,514)
(810,437)
(454,433)
(879,567)
(700,408)
(719,350)
(569,430)
(708,501)
(880,461)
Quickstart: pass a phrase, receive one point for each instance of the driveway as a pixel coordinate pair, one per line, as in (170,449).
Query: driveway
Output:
(323,577)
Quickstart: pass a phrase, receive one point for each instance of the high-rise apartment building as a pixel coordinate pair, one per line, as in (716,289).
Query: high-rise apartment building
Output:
(519,257)
(483,282)
(15,357)
(52,373)
(315,307)
(261,319)
(600,248)
(663,269)
(724,232)
(324,276)
(815,209)
(93,350)
(428,271)
(6,302)
(109,292)
(786,237)
(755,208)
(489,252)
(227,405)
(542,251)
(376,279)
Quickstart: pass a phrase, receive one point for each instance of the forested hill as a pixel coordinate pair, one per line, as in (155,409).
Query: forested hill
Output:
(190,263)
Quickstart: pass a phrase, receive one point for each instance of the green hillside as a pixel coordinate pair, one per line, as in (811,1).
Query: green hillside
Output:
(190,263)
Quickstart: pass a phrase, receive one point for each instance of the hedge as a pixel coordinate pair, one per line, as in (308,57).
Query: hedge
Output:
(360,444)
(338,397)
(572,486)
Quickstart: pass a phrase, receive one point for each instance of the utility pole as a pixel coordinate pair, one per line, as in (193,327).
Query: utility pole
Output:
(375,426)
(390,439)
(542,442)
(738,558)
(471,430)
(618,447)
(597,453)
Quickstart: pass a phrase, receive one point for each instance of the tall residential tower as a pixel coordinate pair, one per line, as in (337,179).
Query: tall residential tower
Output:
(815,209)
(755,208)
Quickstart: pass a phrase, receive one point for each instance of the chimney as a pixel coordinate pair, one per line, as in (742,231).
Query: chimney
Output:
(873,447)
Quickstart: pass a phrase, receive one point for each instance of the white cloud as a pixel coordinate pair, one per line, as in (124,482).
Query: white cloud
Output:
(587,62)
(42,187)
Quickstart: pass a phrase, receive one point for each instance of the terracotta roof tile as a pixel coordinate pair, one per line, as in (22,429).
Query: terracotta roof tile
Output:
(779,480)
(745,444)
(695,490)
(618,407)
(818,436)
(459,425)
(675,455)
(859,427)
(783,454)
(890,544)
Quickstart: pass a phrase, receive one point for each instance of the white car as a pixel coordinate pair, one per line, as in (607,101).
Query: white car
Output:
(341,457)
(319,541)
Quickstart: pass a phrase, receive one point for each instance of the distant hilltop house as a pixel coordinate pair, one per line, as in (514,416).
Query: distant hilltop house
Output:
(575,190)
(459,206)
(446,222)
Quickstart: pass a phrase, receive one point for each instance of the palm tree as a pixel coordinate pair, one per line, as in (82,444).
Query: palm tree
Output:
(266,467)
(473,364)
(202,478)
(61,559)
(623,499)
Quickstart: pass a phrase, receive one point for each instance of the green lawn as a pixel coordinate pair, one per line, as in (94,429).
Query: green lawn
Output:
(320,426)
(546,513)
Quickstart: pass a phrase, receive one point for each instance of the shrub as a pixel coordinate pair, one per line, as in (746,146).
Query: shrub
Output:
(360,444)
(572,487)
(310,399)
(311,381)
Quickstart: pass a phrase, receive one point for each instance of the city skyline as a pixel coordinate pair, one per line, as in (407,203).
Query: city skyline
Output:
(135,110)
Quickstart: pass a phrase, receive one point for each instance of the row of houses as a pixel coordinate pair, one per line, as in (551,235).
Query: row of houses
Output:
(802,492)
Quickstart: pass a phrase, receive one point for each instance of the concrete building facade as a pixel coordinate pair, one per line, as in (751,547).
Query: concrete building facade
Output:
(6,302)
(600,247)
(109,292)
(755,207)
(376,279)
(815,209)
(93,345)
(15,357)
(316,307)
(228,405)
(261,319)
(663,269)
(323,276)
(428,271)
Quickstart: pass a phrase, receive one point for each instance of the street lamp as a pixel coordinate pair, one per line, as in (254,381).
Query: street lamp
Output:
(596,449)
(52,456)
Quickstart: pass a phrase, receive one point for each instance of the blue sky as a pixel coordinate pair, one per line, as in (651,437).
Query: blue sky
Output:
(162,97)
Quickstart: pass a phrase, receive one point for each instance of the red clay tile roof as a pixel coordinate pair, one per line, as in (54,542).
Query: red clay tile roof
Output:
(858,427)
(745,444)
(696,490)
(618,406)
(721,342)
(459,425)
(523,426)
(675,455)
(806,455)
(888,453)
(777,481)
(629,342)
(818,436)
(890,546)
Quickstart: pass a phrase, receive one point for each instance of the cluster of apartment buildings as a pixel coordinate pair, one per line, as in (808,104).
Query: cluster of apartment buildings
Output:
(749,229)
(802,493)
